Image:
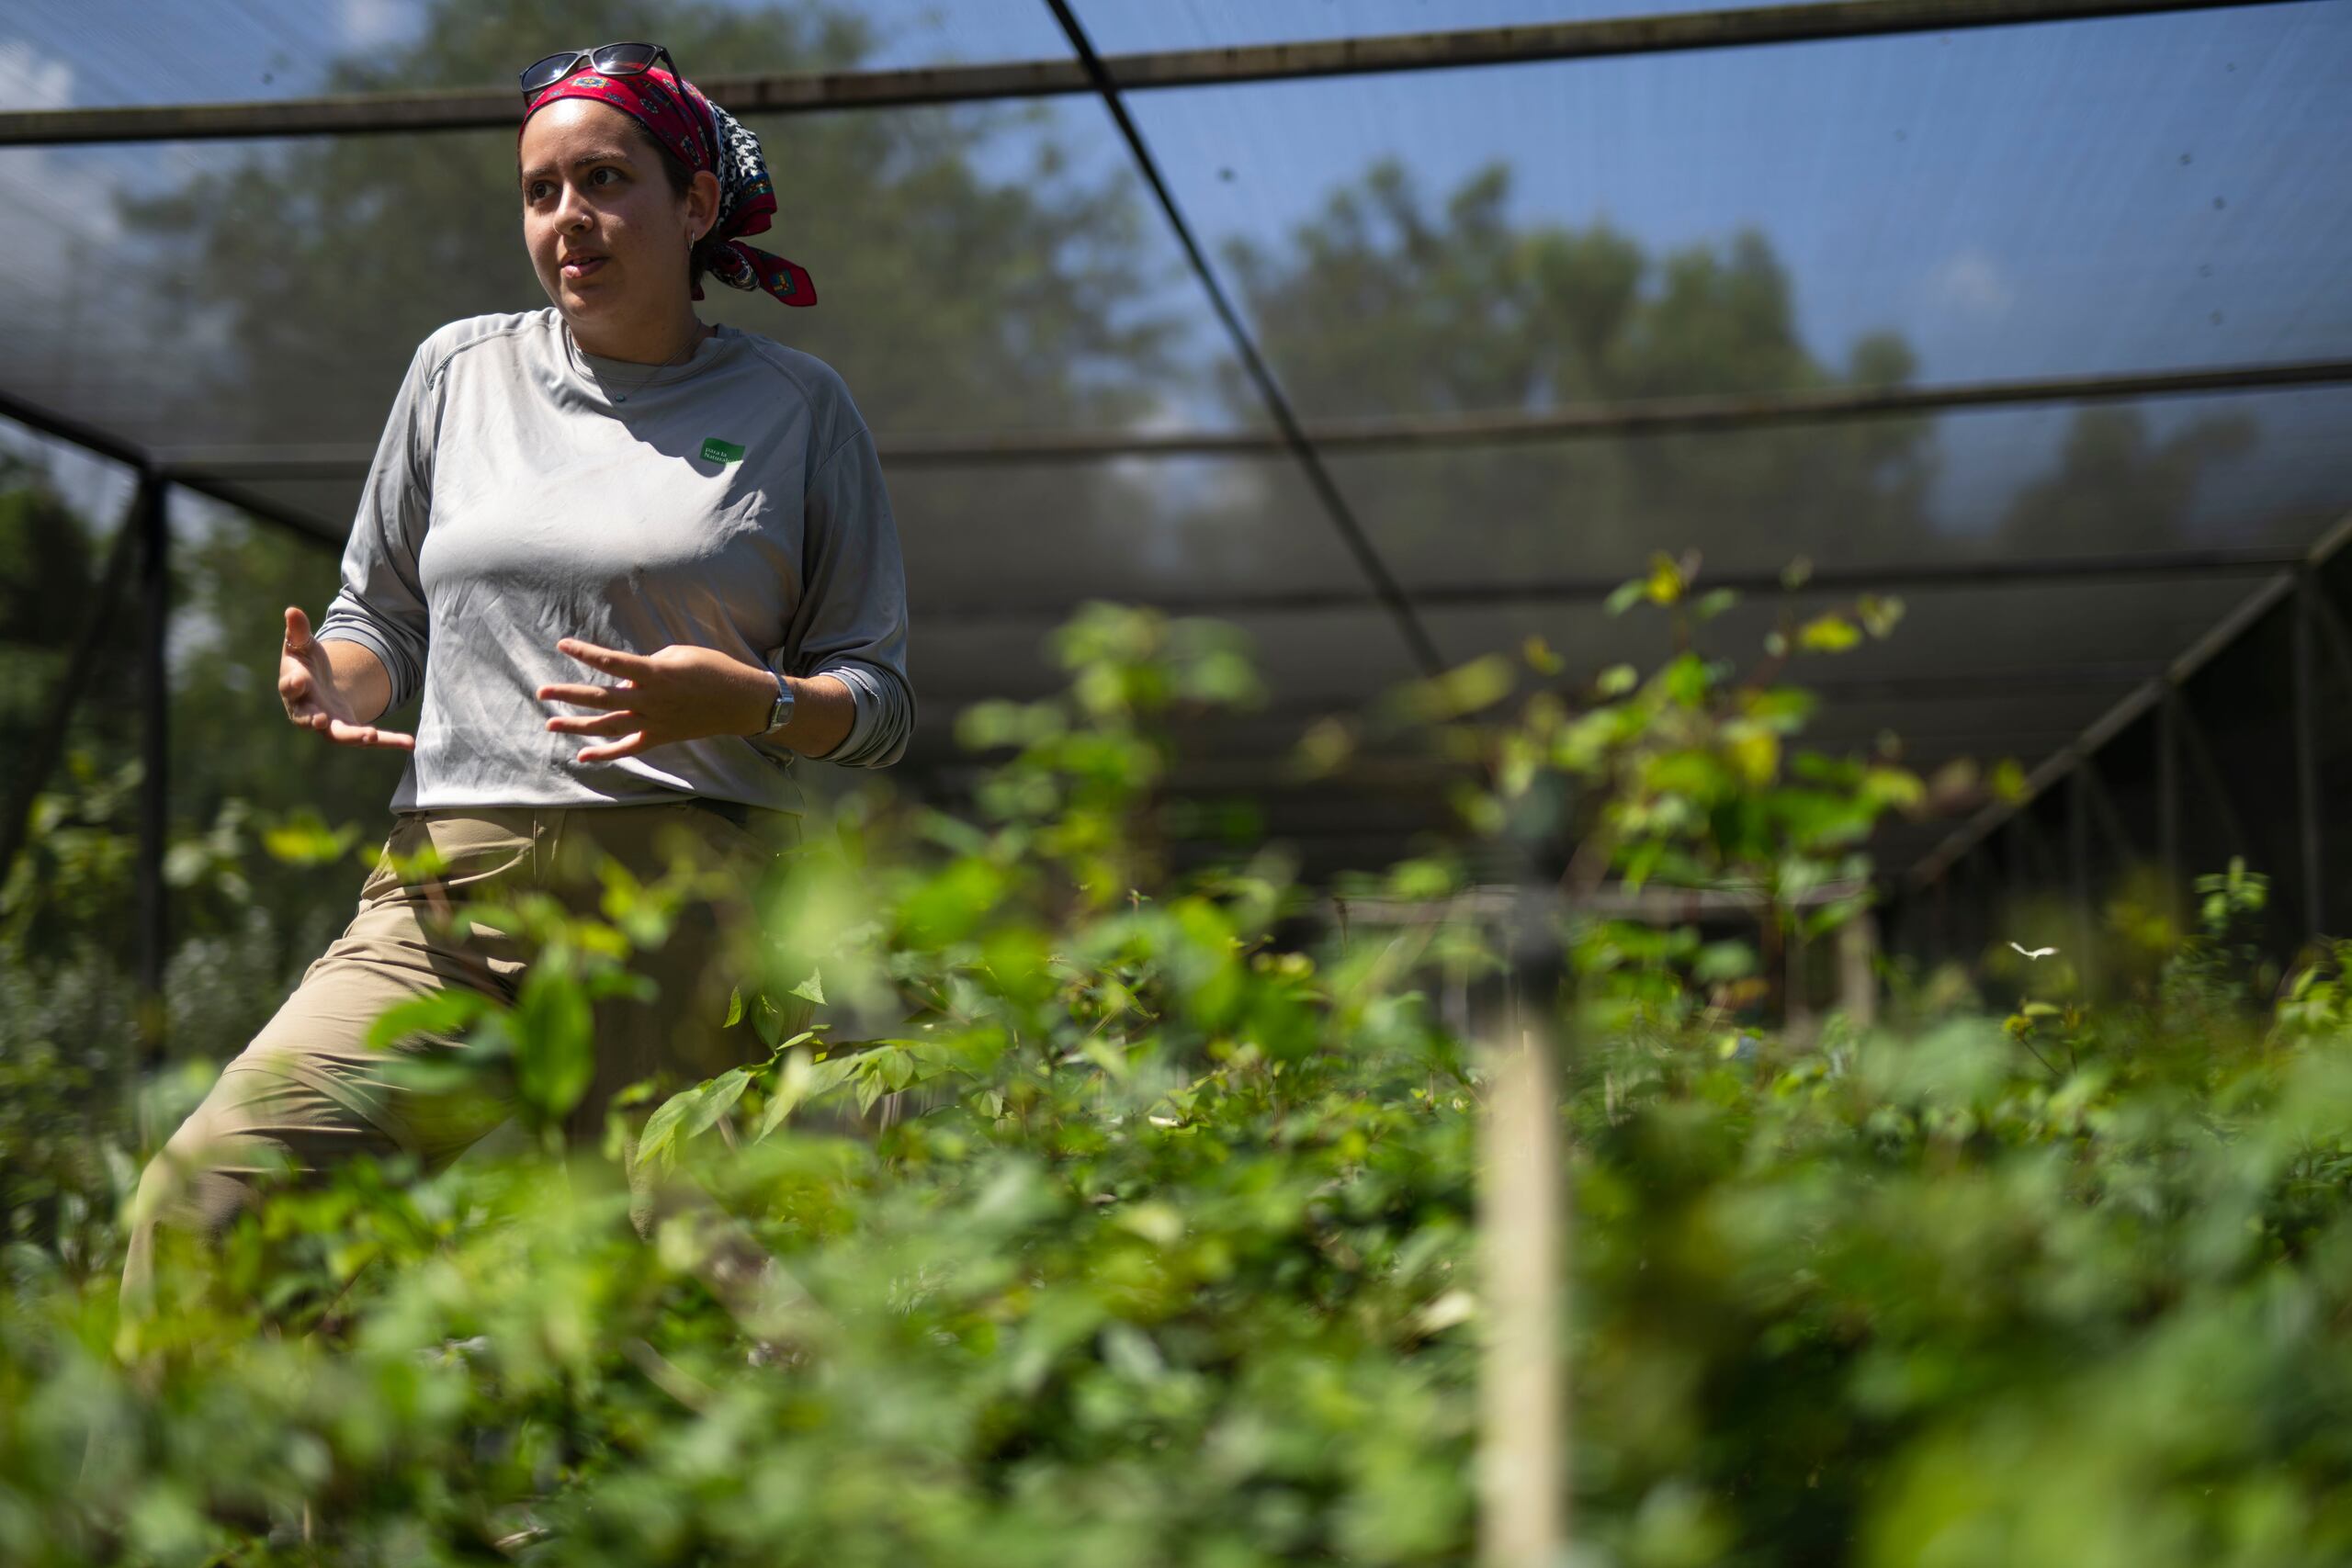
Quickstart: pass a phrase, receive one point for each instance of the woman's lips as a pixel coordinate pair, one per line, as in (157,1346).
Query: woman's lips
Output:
(582,267)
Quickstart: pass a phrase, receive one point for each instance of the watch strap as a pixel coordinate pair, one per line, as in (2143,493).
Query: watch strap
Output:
(780,711)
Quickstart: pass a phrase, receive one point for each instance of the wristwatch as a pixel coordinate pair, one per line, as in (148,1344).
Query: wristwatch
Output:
(780,713)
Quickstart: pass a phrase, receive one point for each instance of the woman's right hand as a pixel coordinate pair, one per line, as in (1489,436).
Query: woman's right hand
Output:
(314,696)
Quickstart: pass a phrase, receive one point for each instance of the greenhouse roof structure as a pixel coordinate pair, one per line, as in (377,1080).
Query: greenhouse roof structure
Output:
(1394,332)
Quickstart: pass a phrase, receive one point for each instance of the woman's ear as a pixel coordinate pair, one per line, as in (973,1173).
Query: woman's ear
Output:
(702,204)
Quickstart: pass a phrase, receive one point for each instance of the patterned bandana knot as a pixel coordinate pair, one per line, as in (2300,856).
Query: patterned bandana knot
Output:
(701,136)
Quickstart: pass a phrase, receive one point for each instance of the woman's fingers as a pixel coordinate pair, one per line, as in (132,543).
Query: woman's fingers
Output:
(629,746)
(619,723)
(343,734)
(611,661)
(583,696)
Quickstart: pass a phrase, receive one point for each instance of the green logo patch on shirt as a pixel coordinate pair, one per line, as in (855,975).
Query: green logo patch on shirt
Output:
(714,450)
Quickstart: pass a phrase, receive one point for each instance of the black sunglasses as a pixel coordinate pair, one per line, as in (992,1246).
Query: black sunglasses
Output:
(612,59)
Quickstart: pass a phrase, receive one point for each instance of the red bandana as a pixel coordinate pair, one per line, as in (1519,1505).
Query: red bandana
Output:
(703,136)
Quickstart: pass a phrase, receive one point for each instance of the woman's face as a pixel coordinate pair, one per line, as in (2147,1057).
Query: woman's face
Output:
(607,238)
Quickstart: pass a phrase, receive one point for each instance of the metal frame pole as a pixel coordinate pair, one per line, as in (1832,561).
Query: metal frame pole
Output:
(810,92)
(2078,856)
(2168,853)
(2312,844)
(1637,418)
(154,748)
(2333,631)
(2209,769)
(1382,583)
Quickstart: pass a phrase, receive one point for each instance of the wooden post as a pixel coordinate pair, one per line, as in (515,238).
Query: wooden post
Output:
(1857,976)
(1521,1400)
(1523,1405)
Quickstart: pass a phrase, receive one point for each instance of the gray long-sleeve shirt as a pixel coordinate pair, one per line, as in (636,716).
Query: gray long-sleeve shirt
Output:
(733,501)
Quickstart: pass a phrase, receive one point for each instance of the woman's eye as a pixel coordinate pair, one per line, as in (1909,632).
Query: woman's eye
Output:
(615,173)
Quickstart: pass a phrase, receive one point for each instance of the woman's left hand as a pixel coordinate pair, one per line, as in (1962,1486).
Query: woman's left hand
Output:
(683,693)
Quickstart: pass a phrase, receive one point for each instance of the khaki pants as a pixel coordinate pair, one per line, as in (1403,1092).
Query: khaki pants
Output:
(309,1092)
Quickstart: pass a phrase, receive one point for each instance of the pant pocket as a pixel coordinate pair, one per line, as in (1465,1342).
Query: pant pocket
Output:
(438,859)
(399,844)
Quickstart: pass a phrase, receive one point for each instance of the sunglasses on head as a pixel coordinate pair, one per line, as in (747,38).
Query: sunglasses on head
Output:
(612,59)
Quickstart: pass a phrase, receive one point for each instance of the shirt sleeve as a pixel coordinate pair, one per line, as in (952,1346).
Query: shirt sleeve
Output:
(851,618)
(380,605)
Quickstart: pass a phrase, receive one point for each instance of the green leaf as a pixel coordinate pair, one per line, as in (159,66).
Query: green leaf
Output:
(302,839)
(656,1142)
(718,1096)
(811,989)
(442,1015)
(553,1027)
(830,1075)
(1830,633)
(792,1089)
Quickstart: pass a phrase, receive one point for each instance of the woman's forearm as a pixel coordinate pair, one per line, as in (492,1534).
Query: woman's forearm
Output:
(362,686)
(823,710)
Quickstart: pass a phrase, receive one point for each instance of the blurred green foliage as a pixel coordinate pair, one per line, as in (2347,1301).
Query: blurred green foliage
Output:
(1142,1229)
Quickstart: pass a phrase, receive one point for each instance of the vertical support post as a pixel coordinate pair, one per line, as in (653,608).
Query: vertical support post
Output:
(1796,994)
(1858,941)
(1522,1418)
(1523,1228)
(152,521)
(2312,857)
(2168,850)
(1947,944)
(2217,783)
(2009,893)
(2078,858)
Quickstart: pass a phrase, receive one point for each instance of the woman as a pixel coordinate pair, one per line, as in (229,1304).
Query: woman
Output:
(633,564)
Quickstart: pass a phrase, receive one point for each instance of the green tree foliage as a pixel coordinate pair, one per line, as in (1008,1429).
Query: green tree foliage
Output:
(49,567)
(1380,304)
(1390,302)
(2118,487)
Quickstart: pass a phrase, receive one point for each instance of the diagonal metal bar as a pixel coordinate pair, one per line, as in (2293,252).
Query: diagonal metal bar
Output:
(1384,586)
(122,450)
(2266,598)
(48,743)
(468,108)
